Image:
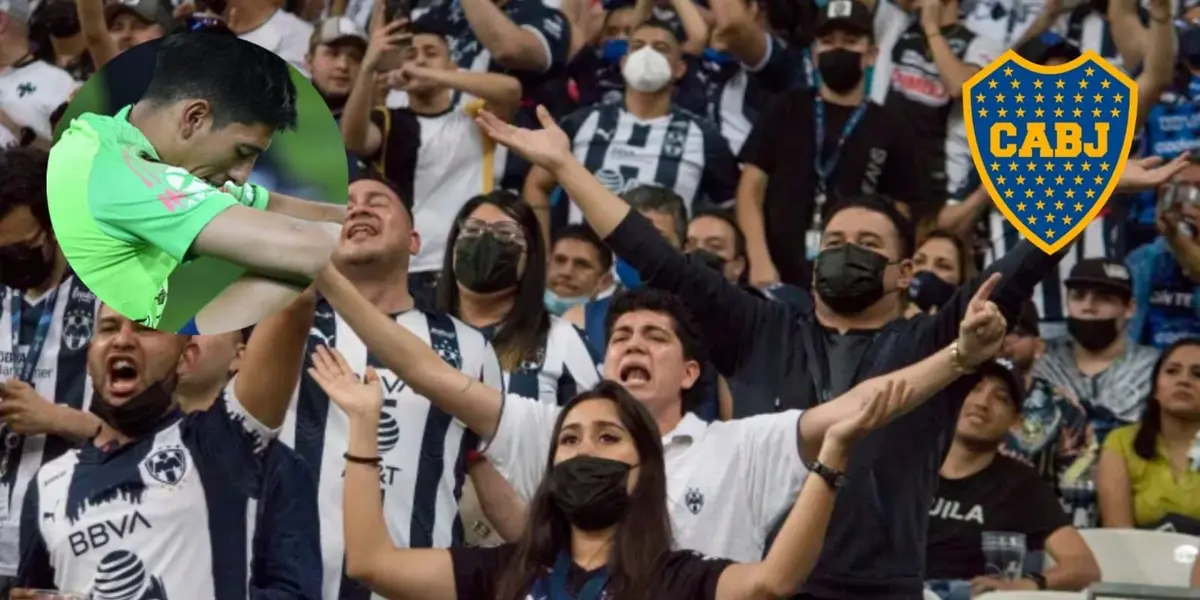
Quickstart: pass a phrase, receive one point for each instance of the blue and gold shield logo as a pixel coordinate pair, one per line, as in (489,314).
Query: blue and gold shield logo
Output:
(1050,142)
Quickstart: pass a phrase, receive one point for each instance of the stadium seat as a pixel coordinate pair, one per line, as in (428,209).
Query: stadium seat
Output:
(1143,557)
(1024,595)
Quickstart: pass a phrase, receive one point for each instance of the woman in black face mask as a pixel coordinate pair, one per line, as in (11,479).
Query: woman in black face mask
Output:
(598,524)
(940,265)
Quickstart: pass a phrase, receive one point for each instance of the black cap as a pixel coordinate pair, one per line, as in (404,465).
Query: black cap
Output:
(846,15)
(1048,46)
(1103,274)
(1027,321)
(1007,372)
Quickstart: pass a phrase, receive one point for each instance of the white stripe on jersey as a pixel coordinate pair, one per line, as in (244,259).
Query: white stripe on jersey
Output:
(735,127)
(566,359)
(400,446)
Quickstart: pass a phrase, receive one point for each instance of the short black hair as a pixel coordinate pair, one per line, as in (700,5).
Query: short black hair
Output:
(583,233)
(656,198)
(883,205)
(244,83)
(429,26)
(687,329)
(739,238)
(370,175)
(663,25)
(23,183)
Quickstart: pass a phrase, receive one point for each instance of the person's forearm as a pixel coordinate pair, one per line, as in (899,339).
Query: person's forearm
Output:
(960,218)
(356,114)
(1158,70)
(501,92)
(498,500)
(798,544)
(1070,576)
(925,378)
(538,185)
(362,501)
(603,209)
(411,359)
(954,72)
(749,210)
(695,29)
(308,210)
(1043,22)
(1127,31)
(508,43)
(273,357)
(74,424)
(245,302)
(94,28)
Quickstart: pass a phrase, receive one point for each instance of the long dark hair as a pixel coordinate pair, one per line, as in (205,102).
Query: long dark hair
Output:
(1145,441)
(643,538)
(523,332)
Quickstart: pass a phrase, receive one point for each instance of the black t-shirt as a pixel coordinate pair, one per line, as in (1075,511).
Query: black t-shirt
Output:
(877,156)
(685,575)
(1004,496)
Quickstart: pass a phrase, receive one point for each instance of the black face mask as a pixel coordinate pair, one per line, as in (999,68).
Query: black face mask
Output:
(486,265)
(1093,334)
(141,414)
(840,69)
(61,19)
(928,290)
(24,267)
(708,259)
(850,278)
(590,491)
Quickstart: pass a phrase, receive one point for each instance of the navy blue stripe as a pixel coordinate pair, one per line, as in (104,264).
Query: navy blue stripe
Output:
(71,375)
(312,416)
(470,441)
(443,336)
(671,154)
(567,386)
(227,505)
(639,135)
(606,120)
(594,315)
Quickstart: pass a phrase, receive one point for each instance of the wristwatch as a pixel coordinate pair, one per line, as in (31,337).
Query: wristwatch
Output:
(1038,579)
(832,476)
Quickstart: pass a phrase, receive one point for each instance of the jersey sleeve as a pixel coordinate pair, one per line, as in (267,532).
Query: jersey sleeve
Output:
(982,51)
(579,360)
(521,445)
(490,372)
(137,200)
(760,147)
(476,570)
(720,178)
(692,574)
(229,435)
(778,69)
(34,570)
(286,562)
(551,29)
(773,470)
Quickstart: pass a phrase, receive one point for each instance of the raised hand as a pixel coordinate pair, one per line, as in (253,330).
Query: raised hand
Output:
(344,387)
(547,147)
(1150,172)
(874,413)
(982,330)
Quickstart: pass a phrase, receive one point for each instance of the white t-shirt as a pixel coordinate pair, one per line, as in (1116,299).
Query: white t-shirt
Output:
(30,93)
(284,34)
(728,482)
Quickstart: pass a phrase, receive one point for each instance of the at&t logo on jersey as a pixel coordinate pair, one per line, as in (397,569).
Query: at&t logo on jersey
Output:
(122,575)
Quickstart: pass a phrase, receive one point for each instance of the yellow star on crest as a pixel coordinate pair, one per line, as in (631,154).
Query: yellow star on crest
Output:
(1082,83)
(1079,97)
(1059,84)
(1057,97)
(1032,166)
(1068,166)
(995,166)
(1067,219)
(1098,180)
(1038,97)
(1078,207)
(1087,166)
(1028,193)
(1019,98)
(1058,205)
(1089,71)
(1049,192)
(1049,233)
(1039,112)
(980,98)
(1104,83)
(992,84)
(1078,180)
(1008,193)
(1000,180)
(1091,194)
(1037,83)
(983,112)
(1118,98)
(1038,180)
(1040,205)
(1016,83)
(1021,207)
(1103,166)
(1003,112)
(1008,71)
(1098,98)
(1058,181)
(1020,180)
(1020,111)
(1050,218)
(1049,166)
(1058,112)
(1095,112)
(1070,193)
(1012,166)
(1032,219)
(999,97)
(1077,112)
(1116,112)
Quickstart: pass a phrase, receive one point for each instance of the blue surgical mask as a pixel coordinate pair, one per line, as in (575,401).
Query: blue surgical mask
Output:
(559,305)
(628,275)
(612,51)
(720,58)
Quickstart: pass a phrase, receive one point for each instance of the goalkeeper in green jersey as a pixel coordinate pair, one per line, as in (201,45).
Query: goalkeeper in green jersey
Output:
(164,181)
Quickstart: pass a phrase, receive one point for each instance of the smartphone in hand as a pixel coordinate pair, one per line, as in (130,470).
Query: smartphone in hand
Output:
(394,10)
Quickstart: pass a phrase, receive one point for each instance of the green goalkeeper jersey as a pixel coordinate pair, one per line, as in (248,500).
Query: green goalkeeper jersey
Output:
(124,219)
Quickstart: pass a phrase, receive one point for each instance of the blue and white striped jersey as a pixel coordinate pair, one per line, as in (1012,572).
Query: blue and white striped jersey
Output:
(68,314)
(680,151)
(565,366)
(423,448)
(174,515)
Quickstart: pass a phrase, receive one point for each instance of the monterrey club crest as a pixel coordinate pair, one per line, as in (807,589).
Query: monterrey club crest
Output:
(1050,143)
(167,465)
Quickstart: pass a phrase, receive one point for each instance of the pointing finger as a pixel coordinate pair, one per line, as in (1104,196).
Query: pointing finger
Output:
(985,291)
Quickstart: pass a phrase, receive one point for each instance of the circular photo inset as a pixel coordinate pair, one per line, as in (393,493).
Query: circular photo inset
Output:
(197,183)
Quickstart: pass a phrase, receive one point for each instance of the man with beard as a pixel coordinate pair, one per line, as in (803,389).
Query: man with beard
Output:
(47,321)
(162,504)
(422,468)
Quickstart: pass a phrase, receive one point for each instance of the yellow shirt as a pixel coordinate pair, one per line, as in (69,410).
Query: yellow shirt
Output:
(1158,490)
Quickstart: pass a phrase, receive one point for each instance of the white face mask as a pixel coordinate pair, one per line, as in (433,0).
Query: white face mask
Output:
(646,70)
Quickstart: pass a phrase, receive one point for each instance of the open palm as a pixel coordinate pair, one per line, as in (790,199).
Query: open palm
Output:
(548,147)
(1150,172)
(352,394)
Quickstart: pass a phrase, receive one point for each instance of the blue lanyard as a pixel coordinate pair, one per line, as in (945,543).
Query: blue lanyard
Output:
(592,590)
(824,167)
(28,363)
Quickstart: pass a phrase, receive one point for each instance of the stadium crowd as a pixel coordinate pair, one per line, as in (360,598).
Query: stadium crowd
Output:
(633,299)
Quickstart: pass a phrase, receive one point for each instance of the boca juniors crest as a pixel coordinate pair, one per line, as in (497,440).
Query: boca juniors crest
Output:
(1050,143)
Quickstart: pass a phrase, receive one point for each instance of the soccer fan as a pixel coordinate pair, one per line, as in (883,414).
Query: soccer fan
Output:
(31,90)
(598,519)
(111,28)
(423,448)
(165,504)
(580,268)
(268,24)
(645,139)
(731,481)
(135,195)
(47,321)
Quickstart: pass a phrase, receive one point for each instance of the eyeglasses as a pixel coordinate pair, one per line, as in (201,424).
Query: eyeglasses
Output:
(504,231)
